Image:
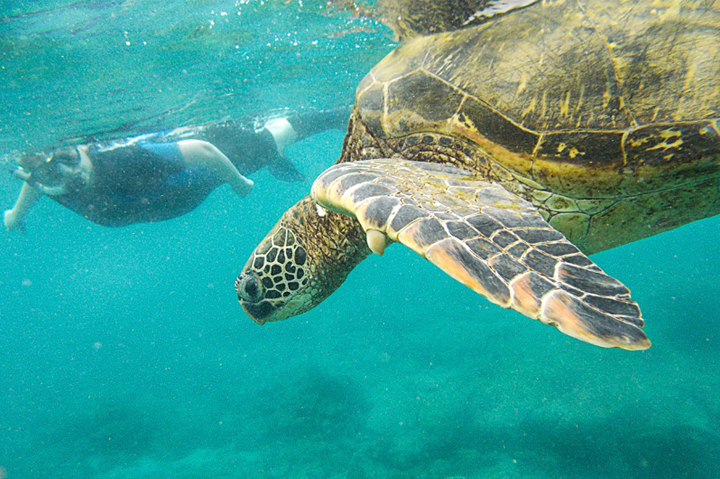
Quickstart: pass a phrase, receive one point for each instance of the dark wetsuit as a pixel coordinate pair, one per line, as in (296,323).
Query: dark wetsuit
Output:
(144,179)
(139,183)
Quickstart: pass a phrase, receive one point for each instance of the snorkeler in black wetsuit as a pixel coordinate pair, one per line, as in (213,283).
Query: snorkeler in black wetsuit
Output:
(163,175)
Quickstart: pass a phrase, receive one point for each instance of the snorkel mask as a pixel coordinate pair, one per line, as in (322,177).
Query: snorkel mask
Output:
(48,169)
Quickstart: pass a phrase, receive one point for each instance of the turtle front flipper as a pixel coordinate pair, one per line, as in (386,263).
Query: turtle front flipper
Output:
(489,239)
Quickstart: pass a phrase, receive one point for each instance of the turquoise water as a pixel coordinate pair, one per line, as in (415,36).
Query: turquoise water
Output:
(124,353)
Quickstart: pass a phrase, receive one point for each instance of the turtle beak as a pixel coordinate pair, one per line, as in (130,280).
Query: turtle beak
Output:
(250,295)
(258,312)
(248,308)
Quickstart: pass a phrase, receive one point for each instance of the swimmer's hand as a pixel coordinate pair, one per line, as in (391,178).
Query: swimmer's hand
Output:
(13,222)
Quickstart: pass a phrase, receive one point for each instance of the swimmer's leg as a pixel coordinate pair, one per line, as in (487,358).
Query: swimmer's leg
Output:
(198,152)
(14,218)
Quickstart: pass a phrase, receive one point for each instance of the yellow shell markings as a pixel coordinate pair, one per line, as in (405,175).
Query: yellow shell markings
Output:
(714,125)
(581,87)
(362,88)
(576,225)
(464,127)
(664,59)
(670,139)
(522,84)
(542,89)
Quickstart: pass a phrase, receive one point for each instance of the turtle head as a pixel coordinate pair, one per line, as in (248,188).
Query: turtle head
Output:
(304,258)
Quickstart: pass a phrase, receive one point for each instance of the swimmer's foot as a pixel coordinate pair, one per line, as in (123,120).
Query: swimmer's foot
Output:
(244,187)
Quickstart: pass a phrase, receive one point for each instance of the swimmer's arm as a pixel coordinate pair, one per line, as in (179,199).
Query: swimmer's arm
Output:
(14,218)
(198,152)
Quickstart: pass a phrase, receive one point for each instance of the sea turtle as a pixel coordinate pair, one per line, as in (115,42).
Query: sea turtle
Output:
(508,150)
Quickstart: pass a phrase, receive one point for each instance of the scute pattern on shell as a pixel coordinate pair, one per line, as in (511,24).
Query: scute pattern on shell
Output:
(596,112)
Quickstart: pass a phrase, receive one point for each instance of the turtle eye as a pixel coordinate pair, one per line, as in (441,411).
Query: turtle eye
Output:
(248,287)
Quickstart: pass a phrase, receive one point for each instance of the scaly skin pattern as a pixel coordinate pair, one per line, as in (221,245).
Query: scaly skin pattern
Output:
(305,258)
(488,239)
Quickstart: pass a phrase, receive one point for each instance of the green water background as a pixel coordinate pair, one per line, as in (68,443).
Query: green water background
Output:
(124,353)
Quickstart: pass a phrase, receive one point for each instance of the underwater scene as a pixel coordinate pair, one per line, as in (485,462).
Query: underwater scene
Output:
(124,352)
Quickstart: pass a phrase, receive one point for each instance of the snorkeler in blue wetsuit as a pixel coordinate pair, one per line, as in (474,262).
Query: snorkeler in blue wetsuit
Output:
(163,175)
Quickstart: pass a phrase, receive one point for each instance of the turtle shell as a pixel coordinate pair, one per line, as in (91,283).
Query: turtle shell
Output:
(409,18)
(580,107)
